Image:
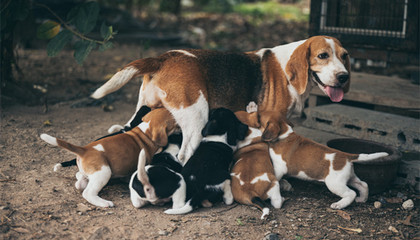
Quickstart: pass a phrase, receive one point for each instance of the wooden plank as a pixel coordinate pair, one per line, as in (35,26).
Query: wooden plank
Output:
(381,90)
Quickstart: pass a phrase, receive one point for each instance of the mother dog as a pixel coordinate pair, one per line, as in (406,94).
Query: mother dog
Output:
(279,79)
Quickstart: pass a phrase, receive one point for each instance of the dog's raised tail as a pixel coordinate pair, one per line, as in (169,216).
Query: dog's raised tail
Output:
(135,68)
(60,143)
(261,205)
(370,156)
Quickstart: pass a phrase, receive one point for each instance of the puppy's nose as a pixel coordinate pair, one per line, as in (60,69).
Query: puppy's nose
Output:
(342,77)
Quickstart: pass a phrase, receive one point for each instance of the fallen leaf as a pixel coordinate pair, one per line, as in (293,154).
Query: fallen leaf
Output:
(47,123)
(407,221)
(357,230)
(341,213)
(20,230)
(394,200)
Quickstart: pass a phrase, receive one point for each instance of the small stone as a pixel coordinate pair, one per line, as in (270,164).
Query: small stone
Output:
(377,204)
(163,233)
(272,236)
(408,205)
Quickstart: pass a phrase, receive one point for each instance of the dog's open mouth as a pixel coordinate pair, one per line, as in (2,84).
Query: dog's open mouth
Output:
(336,94)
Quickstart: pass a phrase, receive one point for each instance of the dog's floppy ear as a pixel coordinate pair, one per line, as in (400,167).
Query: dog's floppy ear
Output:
(139,116)
(298,67)
(236,131)
(271,131)
(160,137)
(209,128)
(250,119)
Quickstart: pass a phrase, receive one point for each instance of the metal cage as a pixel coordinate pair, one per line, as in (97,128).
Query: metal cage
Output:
(390,26)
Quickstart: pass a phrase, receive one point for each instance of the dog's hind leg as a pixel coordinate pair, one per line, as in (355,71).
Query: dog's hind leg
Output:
(275,196)
(81,182)
(97,181)
(339,187)
(361,186)
(178,198)
(191,120)
(227,192)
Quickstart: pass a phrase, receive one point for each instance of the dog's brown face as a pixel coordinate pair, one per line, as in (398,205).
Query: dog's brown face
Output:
(327,64)
(161,125)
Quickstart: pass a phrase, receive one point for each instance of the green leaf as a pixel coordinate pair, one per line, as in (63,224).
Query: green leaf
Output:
(48,30)
(72,14)
(106,31)
(105,46)
(58,42)
(86,17)
(82,49)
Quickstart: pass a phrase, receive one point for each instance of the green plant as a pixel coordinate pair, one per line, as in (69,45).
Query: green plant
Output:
(81,20)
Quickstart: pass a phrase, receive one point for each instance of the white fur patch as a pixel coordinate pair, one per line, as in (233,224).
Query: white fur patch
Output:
(49,139)
(263,177)
(280,166)
(184,52)
(144,126)
(216,138)
(248,139)
(238,176)
(99,148)
(287,133)
(115,128)
(284,52)
(330,156)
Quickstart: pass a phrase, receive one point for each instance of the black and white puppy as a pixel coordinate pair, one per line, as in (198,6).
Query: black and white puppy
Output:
(207,172)
(164,175)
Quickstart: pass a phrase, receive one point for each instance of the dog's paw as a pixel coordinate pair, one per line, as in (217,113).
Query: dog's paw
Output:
(252,107)
(228,199)
(285,185)
(361,199)
(104,204)
(337,206)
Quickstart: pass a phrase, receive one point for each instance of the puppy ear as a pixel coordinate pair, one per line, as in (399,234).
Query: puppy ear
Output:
(250,119)
(347,64)
(236,131)
(160,137)
(242,130)
(209,128)
(139,116)
(298,67)
(271,132)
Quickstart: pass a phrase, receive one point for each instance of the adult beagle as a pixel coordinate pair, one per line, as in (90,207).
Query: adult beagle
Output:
(299,157)
(117,155)
(190,82)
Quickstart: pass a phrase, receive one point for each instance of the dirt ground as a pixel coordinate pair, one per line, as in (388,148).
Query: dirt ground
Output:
(37,203)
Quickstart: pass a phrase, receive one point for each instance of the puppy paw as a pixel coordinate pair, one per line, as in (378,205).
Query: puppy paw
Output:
(115,128)
(252,107)
(337,206)
(285,185)
(105,204)
(361,199)
(206,203)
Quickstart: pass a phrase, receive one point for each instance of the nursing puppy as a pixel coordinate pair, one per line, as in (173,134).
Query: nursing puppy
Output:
(164,173)
(190,82)
(207,172)
(253,179)
(117,156)
(299,157)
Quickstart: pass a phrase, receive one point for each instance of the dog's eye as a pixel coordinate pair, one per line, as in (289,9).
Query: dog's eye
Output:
(344,56)
(323,56)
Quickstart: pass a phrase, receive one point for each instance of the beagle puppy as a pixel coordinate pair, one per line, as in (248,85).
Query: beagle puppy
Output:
(190,82)
(207,172)
(164,173)
(299,157)
(117,155)
(253,178)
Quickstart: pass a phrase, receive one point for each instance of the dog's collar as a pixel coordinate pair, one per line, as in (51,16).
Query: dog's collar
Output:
(317,80)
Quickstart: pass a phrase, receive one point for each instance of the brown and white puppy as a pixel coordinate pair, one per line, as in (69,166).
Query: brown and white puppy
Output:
(253,178)
(299,157)
(117,155)
(190,82)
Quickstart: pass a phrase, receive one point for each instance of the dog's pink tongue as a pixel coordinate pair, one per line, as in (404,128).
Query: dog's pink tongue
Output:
(335,94)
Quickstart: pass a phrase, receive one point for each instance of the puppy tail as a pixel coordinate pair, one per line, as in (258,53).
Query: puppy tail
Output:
(135,68)
(261,205)
(60,143)
(149,190)
(367,157)
(58,166)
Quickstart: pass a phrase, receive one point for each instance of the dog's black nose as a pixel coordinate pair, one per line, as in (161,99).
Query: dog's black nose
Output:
(343,77)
